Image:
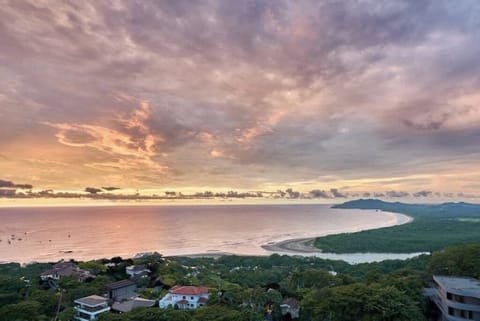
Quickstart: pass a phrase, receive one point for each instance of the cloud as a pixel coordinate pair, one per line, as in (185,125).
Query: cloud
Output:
(9,184)
(269,91)
(467,195)
(397,194)
(293,194)
(110,188)
(93,190)
(316,193)
(422,194)
(337,194)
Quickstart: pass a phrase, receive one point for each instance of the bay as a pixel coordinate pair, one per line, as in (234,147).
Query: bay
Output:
(47,234)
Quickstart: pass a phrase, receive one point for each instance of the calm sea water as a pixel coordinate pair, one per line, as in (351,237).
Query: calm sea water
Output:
(83,233)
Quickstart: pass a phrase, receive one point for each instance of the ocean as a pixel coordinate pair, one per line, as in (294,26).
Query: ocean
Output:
(46,234)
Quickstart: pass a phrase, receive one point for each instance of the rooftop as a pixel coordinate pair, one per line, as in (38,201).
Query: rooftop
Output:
(291,302)
(459,285)
(127,306)
(188,290)
(120,284)
(137,268)
(92,301)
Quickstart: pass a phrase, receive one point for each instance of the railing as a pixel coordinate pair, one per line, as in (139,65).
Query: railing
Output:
(91,311)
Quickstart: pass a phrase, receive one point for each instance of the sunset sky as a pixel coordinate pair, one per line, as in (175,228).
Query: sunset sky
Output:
(348,96)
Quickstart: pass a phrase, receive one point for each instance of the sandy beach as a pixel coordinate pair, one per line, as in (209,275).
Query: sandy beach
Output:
(305,245)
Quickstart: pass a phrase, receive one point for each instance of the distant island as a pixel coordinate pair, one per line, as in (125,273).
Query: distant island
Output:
(434,227)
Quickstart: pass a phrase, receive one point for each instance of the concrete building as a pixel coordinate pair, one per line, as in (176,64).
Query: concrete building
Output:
(184,297)
(121,290)
(457,298)
(88,308)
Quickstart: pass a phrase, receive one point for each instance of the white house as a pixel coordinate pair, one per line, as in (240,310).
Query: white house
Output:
(184,297)
(88,308)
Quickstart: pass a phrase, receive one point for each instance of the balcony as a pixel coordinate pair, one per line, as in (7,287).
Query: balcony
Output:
(92,311)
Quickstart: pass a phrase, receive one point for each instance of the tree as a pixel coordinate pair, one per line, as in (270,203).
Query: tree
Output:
(23,311)
(463,260)
(311,278)
(359,302)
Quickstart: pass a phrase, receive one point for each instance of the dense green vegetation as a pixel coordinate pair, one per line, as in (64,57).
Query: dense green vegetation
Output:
(241,287)
(434,227)
(461,260)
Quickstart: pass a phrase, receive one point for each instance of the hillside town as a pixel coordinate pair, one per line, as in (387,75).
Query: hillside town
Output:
(438,287)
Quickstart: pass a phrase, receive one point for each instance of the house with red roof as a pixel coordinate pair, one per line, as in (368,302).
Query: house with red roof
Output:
(184,297)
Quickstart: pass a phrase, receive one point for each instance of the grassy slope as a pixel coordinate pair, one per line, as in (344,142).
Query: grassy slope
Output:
(434,227)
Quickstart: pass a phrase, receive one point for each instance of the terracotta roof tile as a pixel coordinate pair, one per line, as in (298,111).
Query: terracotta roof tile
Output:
(188,290)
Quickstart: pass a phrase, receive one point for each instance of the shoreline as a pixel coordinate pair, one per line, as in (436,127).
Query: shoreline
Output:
(304,245)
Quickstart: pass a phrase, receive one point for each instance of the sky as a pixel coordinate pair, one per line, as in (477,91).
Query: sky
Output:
(344,98)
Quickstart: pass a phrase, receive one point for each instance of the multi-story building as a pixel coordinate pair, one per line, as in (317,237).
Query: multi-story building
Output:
(185,297)
(457,298)
(121,290)
(88,308)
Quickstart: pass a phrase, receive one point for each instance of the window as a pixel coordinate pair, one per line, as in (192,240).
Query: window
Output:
(191,298)
(184,297)
(449,296)
(450,311)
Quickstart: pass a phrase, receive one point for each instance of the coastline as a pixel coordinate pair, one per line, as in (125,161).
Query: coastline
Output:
(294,242)
(304,246)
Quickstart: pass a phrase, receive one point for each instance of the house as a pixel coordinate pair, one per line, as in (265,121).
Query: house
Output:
(121,290)
(65,269)
(184,297)
(457,298)
(88,308)
(290,306)
(129,305)
(137,271)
